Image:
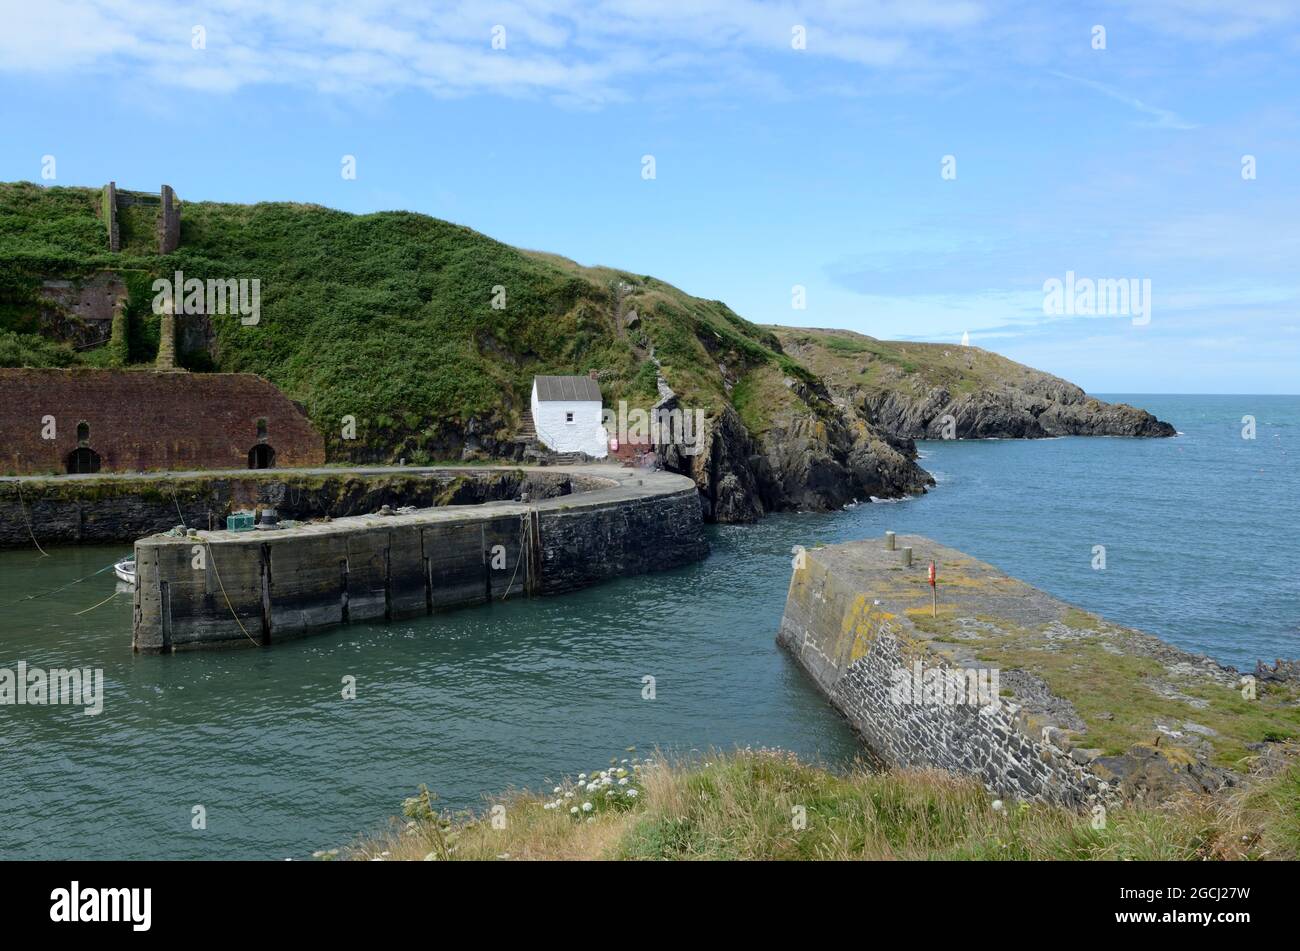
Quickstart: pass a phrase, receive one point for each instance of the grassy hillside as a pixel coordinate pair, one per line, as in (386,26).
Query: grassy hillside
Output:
(387,317)
(744,806)
(847,360)
(920,389)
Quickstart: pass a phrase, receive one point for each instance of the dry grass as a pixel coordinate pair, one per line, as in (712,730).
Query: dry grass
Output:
(766,805)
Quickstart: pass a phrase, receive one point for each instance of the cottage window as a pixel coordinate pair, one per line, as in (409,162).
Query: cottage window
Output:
(568,417)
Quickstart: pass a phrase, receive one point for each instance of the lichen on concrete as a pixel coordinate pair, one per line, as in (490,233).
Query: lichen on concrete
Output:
(1089,710)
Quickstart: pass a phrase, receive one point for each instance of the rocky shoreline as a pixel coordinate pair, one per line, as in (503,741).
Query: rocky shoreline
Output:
(856,445)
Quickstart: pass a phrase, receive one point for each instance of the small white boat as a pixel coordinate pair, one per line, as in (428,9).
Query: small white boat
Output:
(125,569)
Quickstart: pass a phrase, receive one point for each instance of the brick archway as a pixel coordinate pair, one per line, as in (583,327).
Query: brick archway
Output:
(82,460)
(261,456)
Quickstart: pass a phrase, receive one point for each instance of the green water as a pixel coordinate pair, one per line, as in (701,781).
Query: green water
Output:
(468,702)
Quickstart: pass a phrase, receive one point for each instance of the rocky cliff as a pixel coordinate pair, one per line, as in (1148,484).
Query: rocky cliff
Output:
(938,391)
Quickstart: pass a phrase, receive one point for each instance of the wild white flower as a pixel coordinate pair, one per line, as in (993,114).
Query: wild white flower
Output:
(623,781)
(587,807)
(568,795)
(631,793)
(556,790)
(582,776)
(573,810)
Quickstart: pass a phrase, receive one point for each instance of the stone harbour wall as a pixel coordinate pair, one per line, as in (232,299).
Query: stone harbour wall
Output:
(998,680)
(227,589)
(118,508)
(858,653)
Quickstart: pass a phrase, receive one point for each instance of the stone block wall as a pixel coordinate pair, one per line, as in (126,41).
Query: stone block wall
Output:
(169,222)
(854,647)
(261,587)
(61,511)
(108,211)
(80,311)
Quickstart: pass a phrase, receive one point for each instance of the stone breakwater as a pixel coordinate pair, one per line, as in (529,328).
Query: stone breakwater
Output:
(1036,698)
(225,589)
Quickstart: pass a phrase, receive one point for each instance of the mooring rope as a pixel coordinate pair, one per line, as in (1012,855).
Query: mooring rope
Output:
(217,572)
(525,535)
(177,501)
(33,597)
(93,606)
(23,506)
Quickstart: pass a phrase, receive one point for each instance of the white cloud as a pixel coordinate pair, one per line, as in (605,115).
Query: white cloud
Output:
(583,51)
(1156,117)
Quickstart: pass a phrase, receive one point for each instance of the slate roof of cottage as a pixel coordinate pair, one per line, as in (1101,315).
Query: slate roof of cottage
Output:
(566,389)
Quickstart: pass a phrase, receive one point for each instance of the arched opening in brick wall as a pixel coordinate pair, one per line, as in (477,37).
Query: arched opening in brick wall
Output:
(261,456)
(82,460)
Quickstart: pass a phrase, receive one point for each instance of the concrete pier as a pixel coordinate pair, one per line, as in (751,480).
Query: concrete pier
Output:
(1035,697)
(219,588)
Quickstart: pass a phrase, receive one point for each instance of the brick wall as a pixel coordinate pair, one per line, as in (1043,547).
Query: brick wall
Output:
(141,420)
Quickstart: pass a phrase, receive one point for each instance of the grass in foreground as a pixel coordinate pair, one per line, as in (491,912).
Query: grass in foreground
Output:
(767,805)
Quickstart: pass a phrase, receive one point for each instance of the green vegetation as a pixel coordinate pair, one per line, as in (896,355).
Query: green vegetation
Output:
(745,805)
(1119,692)
(30,350)
(387,317)
(848,360)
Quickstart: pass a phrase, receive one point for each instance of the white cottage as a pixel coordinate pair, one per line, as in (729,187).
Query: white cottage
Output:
(567,415)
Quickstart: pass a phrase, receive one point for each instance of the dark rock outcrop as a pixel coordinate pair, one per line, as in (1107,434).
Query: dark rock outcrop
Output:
(1009,413)
(814,462)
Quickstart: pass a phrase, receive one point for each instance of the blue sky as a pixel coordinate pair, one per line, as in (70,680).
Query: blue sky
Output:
(774,166)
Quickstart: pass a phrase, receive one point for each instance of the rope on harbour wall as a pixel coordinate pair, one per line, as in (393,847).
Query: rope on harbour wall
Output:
(217,572)
(177,501)
(525,536)
(23,506)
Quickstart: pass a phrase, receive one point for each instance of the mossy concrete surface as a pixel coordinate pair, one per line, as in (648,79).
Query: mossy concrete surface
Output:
(204,589)
(1140,716)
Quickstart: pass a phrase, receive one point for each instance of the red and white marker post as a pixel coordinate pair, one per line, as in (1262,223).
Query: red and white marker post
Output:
(934,593)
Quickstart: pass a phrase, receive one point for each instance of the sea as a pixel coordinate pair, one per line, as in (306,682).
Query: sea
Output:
(1201,547)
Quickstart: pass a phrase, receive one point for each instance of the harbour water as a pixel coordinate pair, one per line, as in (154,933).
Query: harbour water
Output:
(1201,544)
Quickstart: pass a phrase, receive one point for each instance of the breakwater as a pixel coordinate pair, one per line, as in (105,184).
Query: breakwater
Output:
(219,588)
(991,677)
